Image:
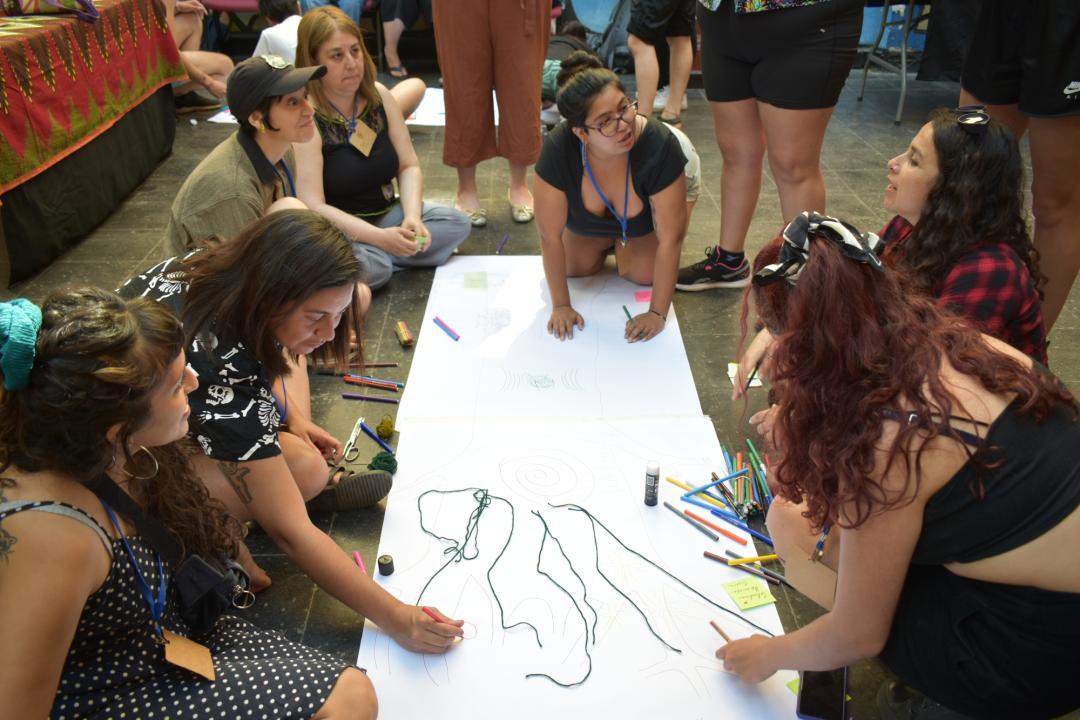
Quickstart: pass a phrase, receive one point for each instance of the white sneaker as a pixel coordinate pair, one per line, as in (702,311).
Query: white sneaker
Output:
(660,101)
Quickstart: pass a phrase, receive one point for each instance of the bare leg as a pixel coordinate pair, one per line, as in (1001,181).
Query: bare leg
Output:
(216,65)
(584,255)
(259,579)
(353,698)
(1055,202)
(187,30)
(408,93)
(391,36)
(682,57)
(468,198)
(794,139)
(519,185)
(646,73)
(637,259)
(742,146)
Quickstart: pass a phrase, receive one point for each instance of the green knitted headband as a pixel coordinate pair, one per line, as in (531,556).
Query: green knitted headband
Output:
(19,323)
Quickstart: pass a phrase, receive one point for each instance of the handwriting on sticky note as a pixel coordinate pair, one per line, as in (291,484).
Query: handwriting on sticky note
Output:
(733,369)
(476,281)
(643,296)
(749,593)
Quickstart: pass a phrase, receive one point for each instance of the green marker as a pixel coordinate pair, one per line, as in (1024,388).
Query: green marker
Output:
(628,318)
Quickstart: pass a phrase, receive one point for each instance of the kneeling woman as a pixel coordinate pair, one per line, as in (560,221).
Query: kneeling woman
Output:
(933,481)
(253,308)
(95,391)
(608,180)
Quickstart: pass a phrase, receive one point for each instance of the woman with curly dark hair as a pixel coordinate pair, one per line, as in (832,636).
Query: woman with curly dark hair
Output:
(958,193)
(95,396)
(930,474)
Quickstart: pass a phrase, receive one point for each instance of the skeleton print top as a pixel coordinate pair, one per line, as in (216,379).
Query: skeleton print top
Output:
(234,415)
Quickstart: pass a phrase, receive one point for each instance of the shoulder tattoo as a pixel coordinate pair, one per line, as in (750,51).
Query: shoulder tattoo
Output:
(7,540)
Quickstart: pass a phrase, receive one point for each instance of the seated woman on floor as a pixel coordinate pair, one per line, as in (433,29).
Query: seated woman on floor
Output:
(934,486)
(361,145)
(960,230)
(95,393)
(608,181)
(253,308)
(252,171)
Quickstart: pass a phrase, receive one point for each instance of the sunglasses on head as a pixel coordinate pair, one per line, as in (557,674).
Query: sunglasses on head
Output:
(973,119)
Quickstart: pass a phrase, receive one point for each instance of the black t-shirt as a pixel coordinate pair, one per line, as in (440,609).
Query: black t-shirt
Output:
(234,415)
(359,185)
(656,161)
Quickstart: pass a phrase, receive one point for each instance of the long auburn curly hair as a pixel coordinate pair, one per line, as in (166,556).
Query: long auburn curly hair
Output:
(98,361)
(850,342)
(978,197)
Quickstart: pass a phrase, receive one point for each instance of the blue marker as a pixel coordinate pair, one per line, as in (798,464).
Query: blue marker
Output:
(375,436)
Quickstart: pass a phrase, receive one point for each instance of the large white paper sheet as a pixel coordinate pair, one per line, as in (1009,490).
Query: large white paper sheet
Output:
(432,109)
(506,364)
(600,465)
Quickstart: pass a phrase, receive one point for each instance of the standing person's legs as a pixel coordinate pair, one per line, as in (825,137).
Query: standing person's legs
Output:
(464,45)
(794,139)
(520,35)
(392,31)
(682,57)
(646,72)
(1055,202)
(741,138)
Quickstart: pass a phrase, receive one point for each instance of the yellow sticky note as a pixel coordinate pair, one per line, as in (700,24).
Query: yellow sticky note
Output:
(793,686)
(749,593)
(476,280)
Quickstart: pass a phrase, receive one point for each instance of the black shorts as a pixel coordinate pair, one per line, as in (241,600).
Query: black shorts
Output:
(1026,54)
(654,20)
(795,58)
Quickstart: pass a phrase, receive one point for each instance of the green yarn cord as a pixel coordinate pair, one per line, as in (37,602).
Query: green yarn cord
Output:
(385,428)
(383,461)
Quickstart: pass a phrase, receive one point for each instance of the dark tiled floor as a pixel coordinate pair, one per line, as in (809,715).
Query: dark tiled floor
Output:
(860,139)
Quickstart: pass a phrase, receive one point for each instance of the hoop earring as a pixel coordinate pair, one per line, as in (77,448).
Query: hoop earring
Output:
(153,473)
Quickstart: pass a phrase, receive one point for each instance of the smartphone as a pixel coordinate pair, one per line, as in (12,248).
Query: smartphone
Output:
(823,695)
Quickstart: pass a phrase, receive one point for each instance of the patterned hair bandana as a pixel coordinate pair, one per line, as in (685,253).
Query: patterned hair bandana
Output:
(19,323)
(795,250)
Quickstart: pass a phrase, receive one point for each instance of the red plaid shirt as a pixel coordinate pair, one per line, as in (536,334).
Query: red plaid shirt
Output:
(991,287)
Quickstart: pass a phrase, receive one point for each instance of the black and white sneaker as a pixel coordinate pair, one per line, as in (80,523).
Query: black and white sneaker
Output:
(713,273)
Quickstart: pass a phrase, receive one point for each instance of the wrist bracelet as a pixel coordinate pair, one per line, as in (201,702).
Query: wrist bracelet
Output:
(662,317)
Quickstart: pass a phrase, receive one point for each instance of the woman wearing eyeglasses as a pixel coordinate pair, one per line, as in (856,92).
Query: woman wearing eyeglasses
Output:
(608,181)
(960,230)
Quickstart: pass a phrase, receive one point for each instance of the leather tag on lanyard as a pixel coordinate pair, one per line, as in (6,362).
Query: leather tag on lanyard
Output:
(188,654)
(362,138)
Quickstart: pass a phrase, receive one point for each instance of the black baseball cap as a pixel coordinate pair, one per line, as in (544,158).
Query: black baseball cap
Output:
(263,76)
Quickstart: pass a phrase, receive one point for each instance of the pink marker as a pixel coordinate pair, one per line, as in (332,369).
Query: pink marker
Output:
(359,561)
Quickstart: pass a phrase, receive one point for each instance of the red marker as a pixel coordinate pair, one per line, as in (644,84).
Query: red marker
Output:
(431,614)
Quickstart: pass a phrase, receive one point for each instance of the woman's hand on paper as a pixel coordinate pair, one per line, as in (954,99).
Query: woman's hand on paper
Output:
(419,632)
(562,322)
(645,326)
(749,658)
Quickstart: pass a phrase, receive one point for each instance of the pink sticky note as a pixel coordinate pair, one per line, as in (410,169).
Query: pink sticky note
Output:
(643,296)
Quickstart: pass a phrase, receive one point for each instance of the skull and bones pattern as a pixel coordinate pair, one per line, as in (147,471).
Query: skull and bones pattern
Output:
(208,415)
(219,395)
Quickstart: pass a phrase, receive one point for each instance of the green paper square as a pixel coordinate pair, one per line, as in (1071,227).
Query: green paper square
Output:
(749,593)
(476,280)
(793,686)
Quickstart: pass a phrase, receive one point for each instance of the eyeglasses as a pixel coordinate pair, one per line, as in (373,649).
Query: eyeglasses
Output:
(609,127)
(973,119)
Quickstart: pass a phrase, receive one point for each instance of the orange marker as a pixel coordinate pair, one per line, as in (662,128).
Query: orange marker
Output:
(726,533)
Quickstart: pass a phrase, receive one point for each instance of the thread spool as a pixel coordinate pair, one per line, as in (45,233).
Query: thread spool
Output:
(386,565)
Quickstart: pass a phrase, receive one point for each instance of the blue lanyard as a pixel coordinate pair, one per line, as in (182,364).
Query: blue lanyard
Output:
(290,188)
(351,119)
(623,219)
(156,604)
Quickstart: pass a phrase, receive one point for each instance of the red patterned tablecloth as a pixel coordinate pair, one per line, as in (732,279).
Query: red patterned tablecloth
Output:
(64,81)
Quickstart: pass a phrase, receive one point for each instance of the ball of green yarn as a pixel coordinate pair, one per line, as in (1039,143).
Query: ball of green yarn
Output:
(385,428)
(383,461)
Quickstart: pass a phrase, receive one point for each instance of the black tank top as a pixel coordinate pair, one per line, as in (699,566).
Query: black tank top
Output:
(359,185)
(1032,485)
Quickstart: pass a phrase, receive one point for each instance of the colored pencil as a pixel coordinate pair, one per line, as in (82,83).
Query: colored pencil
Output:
(767,571)
(730,520)
(378,380)
(375,436)
(717,629)
(379,365)
(759,558)
(726,533)
(704,495)
(372,398)
(431,614)
(359,561)
(744,568)
(447,329)
(502,243)
(699,528)
(370,384)
(628,318)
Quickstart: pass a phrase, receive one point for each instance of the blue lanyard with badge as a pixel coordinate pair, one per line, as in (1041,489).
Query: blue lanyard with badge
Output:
(179,650)
(623,220)
(290,187)
(360,135)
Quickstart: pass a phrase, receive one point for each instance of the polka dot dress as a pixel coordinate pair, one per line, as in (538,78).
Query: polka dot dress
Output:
(115,669)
